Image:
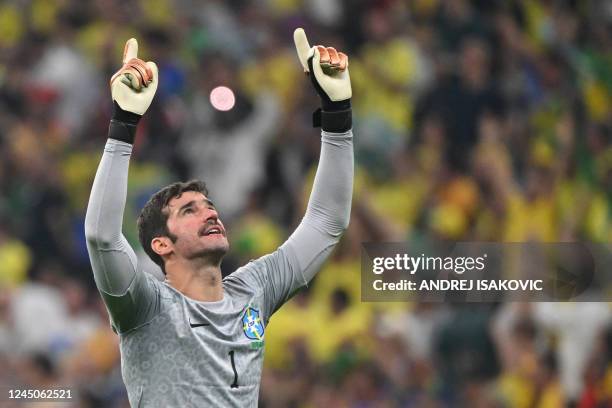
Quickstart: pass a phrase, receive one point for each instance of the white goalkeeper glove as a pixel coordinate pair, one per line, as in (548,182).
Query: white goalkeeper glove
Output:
(328,71)
(133,88)
(134,85)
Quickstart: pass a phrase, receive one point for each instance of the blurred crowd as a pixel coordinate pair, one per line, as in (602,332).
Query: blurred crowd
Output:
(483,120)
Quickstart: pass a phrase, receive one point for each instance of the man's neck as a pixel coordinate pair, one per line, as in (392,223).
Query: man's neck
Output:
(197,282)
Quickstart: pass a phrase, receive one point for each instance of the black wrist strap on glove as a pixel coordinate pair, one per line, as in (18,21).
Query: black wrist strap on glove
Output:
(123,124)
(336,121)
(334,116)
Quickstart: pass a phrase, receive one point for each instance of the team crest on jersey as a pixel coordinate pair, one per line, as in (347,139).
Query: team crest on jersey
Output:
(252,324)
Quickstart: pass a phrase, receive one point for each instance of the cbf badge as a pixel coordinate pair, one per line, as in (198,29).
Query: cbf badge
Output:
(252,326)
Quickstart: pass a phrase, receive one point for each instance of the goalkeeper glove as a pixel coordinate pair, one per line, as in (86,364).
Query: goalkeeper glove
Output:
(328,71)
(132,89)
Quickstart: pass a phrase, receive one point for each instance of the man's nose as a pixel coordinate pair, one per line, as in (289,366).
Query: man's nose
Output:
(210,214)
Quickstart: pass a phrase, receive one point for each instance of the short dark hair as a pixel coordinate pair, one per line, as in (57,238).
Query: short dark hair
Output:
(153,219)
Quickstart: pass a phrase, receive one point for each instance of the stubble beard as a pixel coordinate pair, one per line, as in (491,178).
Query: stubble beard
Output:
(212,254)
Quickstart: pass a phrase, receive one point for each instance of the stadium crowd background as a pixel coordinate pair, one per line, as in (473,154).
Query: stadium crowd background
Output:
(475,120)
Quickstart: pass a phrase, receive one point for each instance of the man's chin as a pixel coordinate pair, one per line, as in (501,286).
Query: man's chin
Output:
(210,256)
(218,248)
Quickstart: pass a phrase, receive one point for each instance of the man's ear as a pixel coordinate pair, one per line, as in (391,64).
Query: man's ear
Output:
(162,246)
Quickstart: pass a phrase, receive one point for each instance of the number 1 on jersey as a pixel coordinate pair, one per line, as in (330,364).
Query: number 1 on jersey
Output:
(235,383)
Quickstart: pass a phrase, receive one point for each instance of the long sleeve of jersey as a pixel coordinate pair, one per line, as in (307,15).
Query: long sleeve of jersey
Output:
(327,216)
(130,297)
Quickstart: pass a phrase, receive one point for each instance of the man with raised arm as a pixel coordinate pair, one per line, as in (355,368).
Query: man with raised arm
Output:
(195,339)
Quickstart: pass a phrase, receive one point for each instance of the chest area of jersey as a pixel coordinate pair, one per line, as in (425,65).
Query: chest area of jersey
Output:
(243,326)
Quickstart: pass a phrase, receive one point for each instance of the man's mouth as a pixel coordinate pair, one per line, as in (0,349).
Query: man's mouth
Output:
(211,230)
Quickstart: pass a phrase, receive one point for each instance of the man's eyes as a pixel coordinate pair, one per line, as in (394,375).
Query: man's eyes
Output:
(190,210)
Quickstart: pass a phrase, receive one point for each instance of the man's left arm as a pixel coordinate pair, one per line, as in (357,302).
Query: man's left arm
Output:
(327,217)
(295,263)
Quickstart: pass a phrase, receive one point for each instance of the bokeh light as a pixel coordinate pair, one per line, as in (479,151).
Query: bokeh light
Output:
(222,98)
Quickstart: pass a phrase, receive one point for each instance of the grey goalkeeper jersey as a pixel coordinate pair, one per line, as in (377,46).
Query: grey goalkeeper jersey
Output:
(179,352)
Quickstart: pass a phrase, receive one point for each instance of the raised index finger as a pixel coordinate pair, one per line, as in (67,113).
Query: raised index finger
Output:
(302,47)
(131,50)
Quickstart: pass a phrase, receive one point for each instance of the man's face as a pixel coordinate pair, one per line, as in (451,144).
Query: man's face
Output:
(199,232)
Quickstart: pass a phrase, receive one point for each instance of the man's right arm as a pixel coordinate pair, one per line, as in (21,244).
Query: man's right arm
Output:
(131,298)
(128,294)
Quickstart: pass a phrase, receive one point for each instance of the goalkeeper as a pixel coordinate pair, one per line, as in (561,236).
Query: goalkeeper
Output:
(196,339)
